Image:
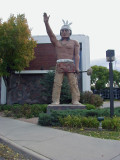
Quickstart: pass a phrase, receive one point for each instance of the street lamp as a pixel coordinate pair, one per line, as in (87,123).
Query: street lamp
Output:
(110,57)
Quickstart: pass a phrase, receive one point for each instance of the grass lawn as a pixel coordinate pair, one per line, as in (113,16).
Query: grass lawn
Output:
(104,134)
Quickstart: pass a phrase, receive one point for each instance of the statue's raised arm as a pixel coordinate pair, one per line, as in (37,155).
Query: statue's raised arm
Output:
(46,18)
(48,28)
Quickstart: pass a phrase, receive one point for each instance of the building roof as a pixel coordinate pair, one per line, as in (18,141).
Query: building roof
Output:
(46,39)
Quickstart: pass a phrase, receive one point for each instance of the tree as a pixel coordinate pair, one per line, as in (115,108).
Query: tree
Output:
(99,77)
(116,78)
(16,47)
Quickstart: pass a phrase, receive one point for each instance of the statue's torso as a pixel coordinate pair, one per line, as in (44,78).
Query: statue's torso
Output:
(65,49)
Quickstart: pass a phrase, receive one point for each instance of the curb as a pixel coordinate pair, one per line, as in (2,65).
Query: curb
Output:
(23,150)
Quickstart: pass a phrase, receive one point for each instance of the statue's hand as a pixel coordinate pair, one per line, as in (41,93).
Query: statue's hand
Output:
(46,18)
(77,70)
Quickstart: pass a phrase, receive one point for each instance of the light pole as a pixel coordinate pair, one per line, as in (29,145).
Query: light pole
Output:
(110,57)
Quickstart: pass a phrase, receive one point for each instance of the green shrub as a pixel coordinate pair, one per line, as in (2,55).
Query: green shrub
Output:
(5,107)
(79,122)
(111,123)
(47,84)
(25,110)
(8,113)
(44,119)
(92,112)
(38,108)
(16,110)
(90,122)
(72,118)
(65,92)
(50,119)
(55,118)
(90,106)
(96,100)
(71,121)
(117,111)
(88,97)
(85,97)
(86,113)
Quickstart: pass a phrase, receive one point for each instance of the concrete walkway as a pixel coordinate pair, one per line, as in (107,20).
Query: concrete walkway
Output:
(46,143)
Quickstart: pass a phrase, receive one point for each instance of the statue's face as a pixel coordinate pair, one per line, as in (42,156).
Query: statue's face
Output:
(65,33)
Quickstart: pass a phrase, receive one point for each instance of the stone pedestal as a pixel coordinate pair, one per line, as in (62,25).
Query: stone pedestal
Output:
(64,107)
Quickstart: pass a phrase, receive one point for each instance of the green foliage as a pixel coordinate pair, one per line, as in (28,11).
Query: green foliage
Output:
(25,110)
(117,111)
(71,121)
(65,92)
(99,77)
(8,113)
(44,119)
(38,108)
(86,113)
(17,111)
(5,107)
(50,119)
(85,97)
(90,106)
(78,121)
(90,98)
(92,112)
(78,118)
(47,83)
(116,78)
(96,100)
(111,123)
(16,45)
(16,48)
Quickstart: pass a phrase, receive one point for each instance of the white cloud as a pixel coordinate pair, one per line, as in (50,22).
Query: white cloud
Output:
(103,62)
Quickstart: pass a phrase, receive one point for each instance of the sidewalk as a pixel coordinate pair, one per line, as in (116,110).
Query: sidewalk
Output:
(52,144)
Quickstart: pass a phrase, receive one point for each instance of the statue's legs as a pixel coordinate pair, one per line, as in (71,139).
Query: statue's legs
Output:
(74,88)
(57,88)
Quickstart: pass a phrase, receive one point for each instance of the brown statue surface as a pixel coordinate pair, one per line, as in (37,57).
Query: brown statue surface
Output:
(67,50)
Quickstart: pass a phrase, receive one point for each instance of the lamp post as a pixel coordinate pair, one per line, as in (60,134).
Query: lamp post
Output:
(110,57)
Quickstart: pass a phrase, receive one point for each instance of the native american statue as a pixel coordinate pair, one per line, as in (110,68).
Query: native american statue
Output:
(67,51)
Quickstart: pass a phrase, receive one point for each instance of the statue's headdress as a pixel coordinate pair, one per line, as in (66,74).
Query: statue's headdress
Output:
(66,25)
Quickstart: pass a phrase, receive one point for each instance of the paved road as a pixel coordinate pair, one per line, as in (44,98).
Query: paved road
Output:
(52,144)
(107,104)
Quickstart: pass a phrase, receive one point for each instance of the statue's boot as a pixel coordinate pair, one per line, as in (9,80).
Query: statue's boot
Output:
(57,88)
(74,88)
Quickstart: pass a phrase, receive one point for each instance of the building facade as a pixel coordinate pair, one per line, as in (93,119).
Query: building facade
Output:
(27,87)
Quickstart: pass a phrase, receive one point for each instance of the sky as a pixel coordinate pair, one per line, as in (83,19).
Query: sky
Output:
(98,19)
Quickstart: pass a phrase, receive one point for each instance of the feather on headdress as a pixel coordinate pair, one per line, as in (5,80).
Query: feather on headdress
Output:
(66,25)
